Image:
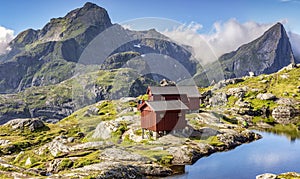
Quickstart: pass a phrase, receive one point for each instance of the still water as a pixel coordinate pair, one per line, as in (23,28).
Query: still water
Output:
(272,154)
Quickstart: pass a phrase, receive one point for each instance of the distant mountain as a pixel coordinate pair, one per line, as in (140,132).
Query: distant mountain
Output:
(47,56)
(267,54)
(50,55)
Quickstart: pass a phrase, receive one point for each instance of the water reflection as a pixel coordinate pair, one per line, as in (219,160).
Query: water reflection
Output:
(272,154)
(290,131)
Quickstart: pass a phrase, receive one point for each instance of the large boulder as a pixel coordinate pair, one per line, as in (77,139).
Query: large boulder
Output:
(266,96)
(218,99)
(266,176)
(55,147)
(237,92)
(134,134)
(105,129)
(32,124)
(181,155)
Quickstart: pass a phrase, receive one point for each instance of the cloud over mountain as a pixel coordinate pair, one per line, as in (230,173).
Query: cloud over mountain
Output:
(224,37)
(6,35)
(295,42)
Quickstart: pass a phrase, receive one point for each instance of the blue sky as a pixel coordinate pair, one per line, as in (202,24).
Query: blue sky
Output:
(19,15)
(221,25)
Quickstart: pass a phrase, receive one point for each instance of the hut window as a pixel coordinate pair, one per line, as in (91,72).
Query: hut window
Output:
(162,98)
(179,114)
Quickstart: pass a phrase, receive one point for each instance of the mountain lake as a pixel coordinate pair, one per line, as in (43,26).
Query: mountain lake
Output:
(274,153)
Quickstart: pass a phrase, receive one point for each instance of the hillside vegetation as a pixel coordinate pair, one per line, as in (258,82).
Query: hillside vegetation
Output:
(273,99)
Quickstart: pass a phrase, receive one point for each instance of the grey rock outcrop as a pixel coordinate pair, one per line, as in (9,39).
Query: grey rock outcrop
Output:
(55,147)
(226,82)
(237,92)
(266,96)
(30,123)
(115,154)
(91,145)
(266,176)
(218,99)
(4,142)
(105,129)
(232,138)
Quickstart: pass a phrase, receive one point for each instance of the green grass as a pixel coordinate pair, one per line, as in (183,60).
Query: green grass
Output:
(212,140)
(258,104)
(38,161)
(288,176)
(8,169)
(161,156)
(275,85)
(107,110)
(87,160)
(25,139)
(65,164)
(231,101)
(116,136)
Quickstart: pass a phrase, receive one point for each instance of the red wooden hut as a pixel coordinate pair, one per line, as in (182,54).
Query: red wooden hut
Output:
(163,115)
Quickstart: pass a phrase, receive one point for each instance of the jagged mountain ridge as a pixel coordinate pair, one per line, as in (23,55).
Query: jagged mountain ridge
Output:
(60,43)
(267,54)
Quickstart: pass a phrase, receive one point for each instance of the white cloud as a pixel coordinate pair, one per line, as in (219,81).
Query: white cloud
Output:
(269,159)
(290,1)
(127,26)
(6,35)
(295,42)
(225,37)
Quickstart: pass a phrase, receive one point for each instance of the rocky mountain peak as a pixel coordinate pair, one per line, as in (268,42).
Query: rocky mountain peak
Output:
(73,24)
(90,14)
(267,54)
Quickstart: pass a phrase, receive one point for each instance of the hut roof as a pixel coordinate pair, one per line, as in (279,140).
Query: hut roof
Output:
(190,91)
(167,105)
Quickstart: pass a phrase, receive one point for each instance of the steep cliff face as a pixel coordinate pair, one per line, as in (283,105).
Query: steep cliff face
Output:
(267,54)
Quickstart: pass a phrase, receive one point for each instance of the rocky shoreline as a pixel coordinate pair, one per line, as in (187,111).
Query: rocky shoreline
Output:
(128,158)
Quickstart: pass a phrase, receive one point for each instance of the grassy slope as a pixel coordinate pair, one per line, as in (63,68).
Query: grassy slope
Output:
(275,84)
(66,91)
